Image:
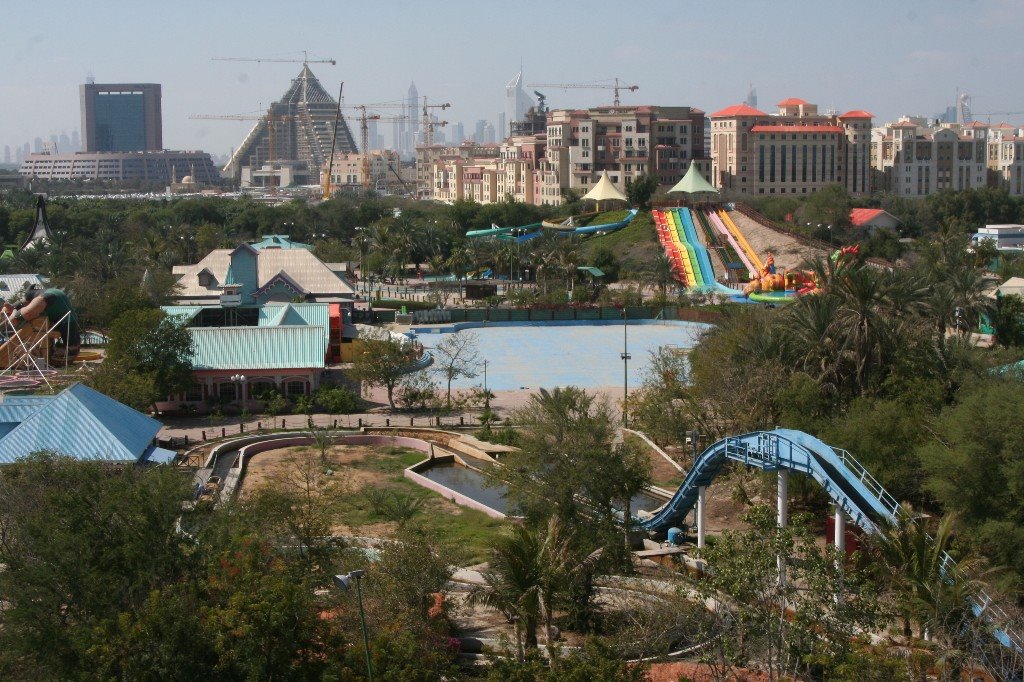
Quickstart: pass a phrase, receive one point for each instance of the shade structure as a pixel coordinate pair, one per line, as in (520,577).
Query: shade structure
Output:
(693,183)
(604,190)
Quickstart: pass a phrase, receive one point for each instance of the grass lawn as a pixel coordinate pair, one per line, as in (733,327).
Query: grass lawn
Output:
(360,469)
(635,245)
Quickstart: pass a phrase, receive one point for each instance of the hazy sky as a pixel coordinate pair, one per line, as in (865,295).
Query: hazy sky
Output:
(890,57)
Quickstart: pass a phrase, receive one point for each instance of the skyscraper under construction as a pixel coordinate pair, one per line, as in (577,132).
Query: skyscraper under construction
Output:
(300,126)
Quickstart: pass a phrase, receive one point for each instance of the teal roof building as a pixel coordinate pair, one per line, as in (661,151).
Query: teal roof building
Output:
(78,422)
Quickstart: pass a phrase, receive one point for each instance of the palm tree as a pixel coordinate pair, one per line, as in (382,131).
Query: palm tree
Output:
(513,584)
(661,274)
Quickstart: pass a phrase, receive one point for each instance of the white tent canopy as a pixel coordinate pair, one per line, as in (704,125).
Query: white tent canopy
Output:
(604,190)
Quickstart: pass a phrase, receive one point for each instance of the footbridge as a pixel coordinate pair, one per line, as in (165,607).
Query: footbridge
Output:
(857,495)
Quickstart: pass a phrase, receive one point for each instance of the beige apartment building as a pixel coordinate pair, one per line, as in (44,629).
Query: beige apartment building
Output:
(572,151)
(796,151)
(428,158)
(916,160)
(628,142)
(1006,161)
(349,171)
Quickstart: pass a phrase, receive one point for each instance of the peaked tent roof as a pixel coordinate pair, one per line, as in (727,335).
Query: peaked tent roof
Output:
(41,231)
(693,183)
(604,190)
(84,424)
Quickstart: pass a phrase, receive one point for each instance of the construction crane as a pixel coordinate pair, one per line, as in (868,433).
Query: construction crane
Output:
(259,60)
(428,123)
(272,121)
(616,86)
(990,114)
(334,140)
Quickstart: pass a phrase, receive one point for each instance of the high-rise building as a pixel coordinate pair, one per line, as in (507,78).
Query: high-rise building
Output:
(412,106)
(458,133)
(7,153)
(751,100)
(516,103)
(502,126)
(488,133)
(37,145)
(76,141)
(478,131)
(64,142)
(121,117)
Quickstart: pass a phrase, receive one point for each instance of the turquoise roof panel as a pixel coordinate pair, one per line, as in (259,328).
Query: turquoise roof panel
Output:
(249,348)
(279,241)
(84,424)
(186,312)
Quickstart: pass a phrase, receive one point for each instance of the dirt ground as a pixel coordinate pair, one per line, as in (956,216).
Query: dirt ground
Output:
(788,252)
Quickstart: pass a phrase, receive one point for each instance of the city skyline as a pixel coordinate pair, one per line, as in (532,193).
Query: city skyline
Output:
(893,60)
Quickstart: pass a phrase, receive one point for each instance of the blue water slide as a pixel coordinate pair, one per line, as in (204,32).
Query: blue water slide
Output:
(850,486)
(703,260)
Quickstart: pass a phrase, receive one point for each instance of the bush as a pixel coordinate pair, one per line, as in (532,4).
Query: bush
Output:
(337,400)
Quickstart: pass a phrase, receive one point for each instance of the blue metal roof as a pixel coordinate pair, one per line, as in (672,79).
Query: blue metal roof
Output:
(185,312)
(16,409)
(279,241)
(271,347)
(82,423)
(295,314)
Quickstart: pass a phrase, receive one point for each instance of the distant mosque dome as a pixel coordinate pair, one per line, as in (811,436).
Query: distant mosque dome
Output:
(188,180)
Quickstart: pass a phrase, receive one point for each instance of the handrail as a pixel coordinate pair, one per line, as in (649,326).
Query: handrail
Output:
(775,450)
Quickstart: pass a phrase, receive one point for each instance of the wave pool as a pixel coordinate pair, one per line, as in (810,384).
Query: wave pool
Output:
(546,355)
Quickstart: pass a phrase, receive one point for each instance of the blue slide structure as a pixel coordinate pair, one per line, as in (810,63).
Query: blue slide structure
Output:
(844,479)
(701,251)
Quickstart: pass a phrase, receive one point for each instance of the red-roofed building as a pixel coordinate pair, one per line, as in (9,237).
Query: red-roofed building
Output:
(795,152)
(872,219)
(738,110)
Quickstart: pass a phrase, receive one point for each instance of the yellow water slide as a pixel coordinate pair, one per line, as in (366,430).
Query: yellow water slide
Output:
(741,240)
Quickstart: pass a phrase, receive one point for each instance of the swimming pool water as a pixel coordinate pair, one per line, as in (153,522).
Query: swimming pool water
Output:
(544,356)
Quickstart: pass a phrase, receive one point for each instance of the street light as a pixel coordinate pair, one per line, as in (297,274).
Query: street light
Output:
(240,380)
(626,357)
(344,581)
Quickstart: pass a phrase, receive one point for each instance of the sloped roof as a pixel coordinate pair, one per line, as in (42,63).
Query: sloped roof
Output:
(82,423)
(604,190)
(792,102)
(857,113)
(738,110)
(279,241)
(306,270)
(693,182)
(15,284)
(862,216)
(254,348)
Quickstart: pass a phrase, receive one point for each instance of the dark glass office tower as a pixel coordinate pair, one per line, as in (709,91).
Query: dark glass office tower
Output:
(121,117)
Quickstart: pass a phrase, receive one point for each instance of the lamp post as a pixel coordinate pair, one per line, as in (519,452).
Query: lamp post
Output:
(240,380)
(343,581)
(625,367)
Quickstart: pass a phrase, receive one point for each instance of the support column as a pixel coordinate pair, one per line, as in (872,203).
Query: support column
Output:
(782,502)
(701,523)
(839,531)
(782,499)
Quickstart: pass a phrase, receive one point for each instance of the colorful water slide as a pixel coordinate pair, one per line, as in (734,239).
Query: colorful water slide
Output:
(701,251)
(716,220)
(851,487)
(751,254)
(679,236)
(681,266)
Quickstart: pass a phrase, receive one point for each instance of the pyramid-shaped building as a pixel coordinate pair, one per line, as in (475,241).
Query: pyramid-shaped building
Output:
(304,120)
